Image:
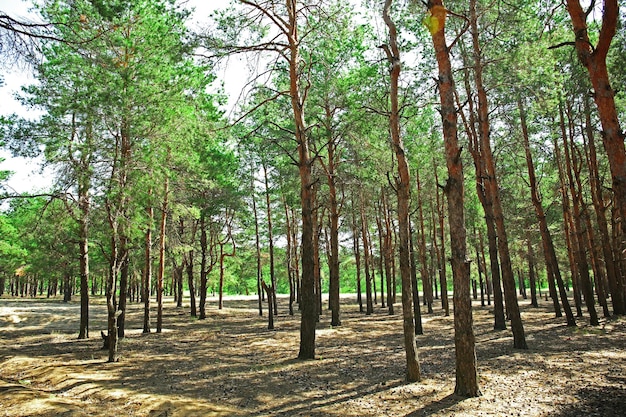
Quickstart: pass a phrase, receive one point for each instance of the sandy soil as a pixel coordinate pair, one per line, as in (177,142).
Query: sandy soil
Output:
(231,365)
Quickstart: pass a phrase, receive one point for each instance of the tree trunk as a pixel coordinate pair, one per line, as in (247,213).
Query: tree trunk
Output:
(257,241)
(426,281)
(464,340)
(308,305)
(333,213)
(440,247)
(270,305)
(161,272)
(417,312)
(403,184)
(124,265)
(190,283)
(616,290)
(532,277)
(270,232)
(111,337)
(387,254)
(357,256)
(491,188)
(369,309)
(147,272)
(486,200)
(594,59)
(381,250)
(578,227)
(289,254)
(317,273)
(84,206)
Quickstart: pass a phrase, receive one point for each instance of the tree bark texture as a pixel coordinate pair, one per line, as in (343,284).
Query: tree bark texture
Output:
(403,184)
(594,59)
(464,340)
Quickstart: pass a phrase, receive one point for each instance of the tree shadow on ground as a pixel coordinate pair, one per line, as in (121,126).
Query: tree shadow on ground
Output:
(605,401)
(436,406)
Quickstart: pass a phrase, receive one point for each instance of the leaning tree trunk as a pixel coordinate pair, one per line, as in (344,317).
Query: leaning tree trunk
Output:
(594,59)
(615,287)
(464,340)
(492,189)
(578,228)
(486,200)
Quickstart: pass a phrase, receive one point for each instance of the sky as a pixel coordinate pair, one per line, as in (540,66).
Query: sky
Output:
(27,175)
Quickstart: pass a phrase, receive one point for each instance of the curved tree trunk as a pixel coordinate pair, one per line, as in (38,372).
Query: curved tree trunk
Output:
(492,189)
(617,296)
(594,59)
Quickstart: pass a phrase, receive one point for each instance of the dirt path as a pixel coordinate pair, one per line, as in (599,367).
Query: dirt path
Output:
(231,365)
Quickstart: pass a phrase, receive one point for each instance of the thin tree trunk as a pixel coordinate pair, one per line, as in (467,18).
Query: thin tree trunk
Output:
(270,233)
(441,247)
(84,206)
(417,312)
(289,254)
(270,305)
(147,272)
(357,256)
(492,189)
(616,290)
(387,253)
(578,228)
(333,214)
(161,273)
(381,251)
(552,264)
(190,283)
(532,277)
(426,282)
(257,241)
(366,260)
(486,200)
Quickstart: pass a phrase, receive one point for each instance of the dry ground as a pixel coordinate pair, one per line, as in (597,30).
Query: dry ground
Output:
(231,365)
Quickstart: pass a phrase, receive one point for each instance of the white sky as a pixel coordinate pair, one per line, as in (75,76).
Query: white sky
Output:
(27,175)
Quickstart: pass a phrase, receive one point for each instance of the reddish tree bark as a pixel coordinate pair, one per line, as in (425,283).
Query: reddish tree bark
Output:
(594,59)
(464,339)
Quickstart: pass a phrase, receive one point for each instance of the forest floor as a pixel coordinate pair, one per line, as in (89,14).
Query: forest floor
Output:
(231,365)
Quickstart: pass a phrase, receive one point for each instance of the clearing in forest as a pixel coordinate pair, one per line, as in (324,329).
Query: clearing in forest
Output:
(231,365)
